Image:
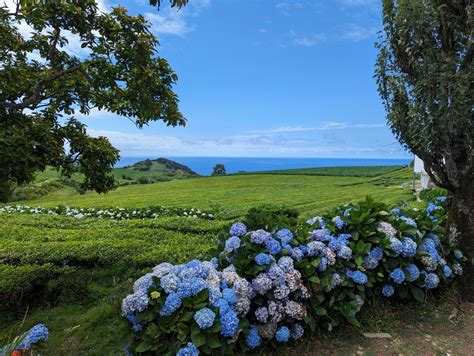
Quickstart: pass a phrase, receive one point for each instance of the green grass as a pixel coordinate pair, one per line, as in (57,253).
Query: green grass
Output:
(72,274)
(348,171)
(238,193)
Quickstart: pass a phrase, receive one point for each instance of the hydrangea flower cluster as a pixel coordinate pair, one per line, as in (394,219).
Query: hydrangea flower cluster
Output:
(34,336)
(259,288)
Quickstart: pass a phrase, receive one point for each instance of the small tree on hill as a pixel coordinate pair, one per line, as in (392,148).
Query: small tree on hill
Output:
(425,76)
(43,82)
(218,170)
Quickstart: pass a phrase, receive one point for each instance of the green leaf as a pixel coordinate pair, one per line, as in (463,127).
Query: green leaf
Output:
(417,293)
(320,311)
(314,279)
(213,341)
(198,339)
(143,347)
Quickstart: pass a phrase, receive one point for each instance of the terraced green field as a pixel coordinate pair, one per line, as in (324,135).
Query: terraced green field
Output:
(237,193)
(71,274)
(354,171)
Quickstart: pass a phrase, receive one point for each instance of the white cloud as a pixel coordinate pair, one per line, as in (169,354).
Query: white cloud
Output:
(287,129)
(286,7)
(355,3)
(356,33)
(333,125)
(173,21)
(140,144)
(307,41)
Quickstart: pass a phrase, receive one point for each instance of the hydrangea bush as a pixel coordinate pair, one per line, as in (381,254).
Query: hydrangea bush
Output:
(24,343)
(268,286)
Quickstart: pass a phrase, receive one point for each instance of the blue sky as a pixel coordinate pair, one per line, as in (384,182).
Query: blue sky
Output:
(262,78)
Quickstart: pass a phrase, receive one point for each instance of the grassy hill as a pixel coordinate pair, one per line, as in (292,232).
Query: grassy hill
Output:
(237,193)
(51,183)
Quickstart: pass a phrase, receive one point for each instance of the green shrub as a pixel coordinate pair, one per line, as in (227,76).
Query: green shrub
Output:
(431,194)
(271,217)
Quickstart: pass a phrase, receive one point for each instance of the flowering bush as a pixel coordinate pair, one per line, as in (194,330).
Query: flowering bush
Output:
(35,335)
(267,286)
(111,213)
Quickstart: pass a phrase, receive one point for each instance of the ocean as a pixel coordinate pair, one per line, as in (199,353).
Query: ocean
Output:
(204,165)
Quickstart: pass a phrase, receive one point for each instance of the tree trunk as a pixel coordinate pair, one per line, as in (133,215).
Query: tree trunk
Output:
(461,228)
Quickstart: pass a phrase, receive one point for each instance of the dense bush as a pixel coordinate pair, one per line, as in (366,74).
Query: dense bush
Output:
(270,217)
(268,286)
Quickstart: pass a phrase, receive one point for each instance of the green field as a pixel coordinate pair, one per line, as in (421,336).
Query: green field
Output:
(71,274)
(238,193)
(350,171)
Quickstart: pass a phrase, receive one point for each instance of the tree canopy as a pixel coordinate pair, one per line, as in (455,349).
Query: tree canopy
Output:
(425,76)
(58,59)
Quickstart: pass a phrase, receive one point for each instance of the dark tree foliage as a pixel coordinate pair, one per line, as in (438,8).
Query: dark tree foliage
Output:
(218,170)
(43,84)
(425,75)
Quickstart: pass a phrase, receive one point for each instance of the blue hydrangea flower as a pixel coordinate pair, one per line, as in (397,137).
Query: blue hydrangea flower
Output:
(376,253)
(370,262)
(262,259)
(172,303)
(232,244)
(229,295)
(136,326)
(229,321)
(297,331)
(413,273)
(262,283)
(323,264)
(408,247)
(334,244)
(431,280)
(447,271)
(190,287)
(321,234)
(273,246)
(408,221)
(396,211)
(260,236)
(253,339)
(36,334)
(261,314)
(317,219)
(189,350)
(143,283)
(215,262)
(316,248)
(338,222)
(134,302)
(286,264)
(344,239)
(204,318)
(283,334)
(388,290)
(357,276)
(297,254)
(285,236)
(395,245)
(345,253)
(347,212)
(441,199)
(238,229)
(303,249)
(397,275)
